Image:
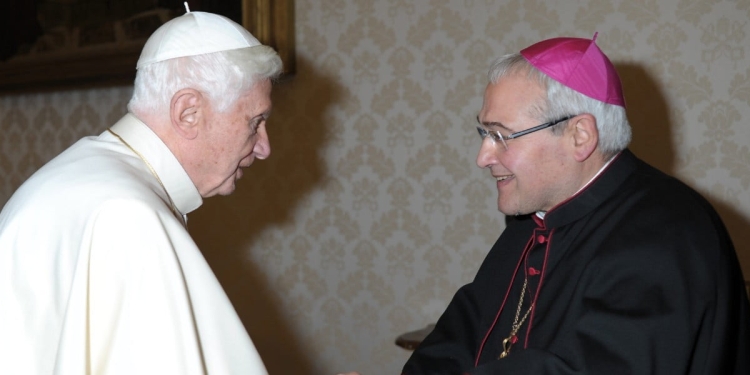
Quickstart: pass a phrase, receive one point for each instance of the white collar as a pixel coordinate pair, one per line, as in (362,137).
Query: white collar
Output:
(176,181)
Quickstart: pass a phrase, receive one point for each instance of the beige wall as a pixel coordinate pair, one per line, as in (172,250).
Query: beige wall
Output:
(370,212)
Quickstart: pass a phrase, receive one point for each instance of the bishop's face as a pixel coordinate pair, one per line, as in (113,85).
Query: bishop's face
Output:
(531,173)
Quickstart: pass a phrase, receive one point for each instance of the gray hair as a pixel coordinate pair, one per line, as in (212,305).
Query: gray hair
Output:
(611,120)
(222,76)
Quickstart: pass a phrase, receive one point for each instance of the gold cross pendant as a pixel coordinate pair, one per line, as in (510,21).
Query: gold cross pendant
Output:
(507,343)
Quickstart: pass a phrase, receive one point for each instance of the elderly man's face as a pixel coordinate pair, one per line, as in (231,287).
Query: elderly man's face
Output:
(233,140)
(531,174)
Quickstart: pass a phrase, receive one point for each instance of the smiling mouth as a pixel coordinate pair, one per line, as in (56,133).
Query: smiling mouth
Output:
(503,178)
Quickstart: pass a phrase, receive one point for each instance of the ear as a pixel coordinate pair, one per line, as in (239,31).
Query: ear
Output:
(186,111)
(585,137)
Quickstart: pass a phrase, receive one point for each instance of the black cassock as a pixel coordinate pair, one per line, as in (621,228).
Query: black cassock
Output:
(635,274)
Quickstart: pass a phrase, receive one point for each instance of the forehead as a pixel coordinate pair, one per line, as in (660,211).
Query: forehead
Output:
(257,100)
(511,99)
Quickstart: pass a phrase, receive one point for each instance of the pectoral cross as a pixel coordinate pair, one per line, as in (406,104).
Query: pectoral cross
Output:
(507,343)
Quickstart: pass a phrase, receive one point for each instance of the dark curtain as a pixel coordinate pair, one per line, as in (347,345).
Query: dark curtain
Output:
(18,26)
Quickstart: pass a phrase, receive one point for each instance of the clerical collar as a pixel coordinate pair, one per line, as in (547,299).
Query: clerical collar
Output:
(540,214)
(174,177)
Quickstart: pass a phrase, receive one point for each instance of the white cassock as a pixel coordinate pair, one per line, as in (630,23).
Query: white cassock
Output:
(98,275)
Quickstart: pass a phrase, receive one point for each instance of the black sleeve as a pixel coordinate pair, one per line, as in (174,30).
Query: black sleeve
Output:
(449,348)
(452,346)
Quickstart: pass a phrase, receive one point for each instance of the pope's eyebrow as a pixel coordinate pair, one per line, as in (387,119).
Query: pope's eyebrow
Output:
(262,116)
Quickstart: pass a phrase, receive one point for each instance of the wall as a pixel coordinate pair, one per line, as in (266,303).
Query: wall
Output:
(370,212)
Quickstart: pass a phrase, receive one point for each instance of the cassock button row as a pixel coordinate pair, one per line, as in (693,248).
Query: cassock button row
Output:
(541,239)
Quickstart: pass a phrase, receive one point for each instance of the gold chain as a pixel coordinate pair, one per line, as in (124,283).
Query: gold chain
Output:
(153,172)
(512,338)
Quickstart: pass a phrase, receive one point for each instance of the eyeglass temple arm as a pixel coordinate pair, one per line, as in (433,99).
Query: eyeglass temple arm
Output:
(538,127)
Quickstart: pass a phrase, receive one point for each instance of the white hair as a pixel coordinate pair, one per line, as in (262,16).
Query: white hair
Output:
(222,76)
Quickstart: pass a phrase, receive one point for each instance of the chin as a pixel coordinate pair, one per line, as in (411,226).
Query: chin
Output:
(230,184)
(227,190)
(508,211)
(220,190)
(504,210)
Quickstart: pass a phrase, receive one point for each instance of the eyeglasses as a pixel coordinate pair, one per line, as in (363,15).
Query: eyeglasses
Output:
(496,136)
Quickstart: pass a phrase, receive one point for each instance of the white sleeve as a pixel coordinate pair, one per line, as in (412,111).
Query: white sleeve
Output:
(140,316)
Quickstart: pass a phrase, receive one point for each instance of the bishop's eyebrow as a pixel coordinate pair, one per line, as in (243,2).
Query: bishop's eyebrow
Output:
(493,124)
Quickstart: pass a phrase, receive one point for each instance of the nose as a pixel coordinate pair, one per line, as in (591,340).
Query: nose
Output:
(262,148)
(488,153)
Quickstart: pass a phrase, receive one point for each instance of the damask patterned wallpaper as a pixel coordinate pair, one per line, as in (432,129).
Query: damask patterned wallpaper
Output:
(370,212)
